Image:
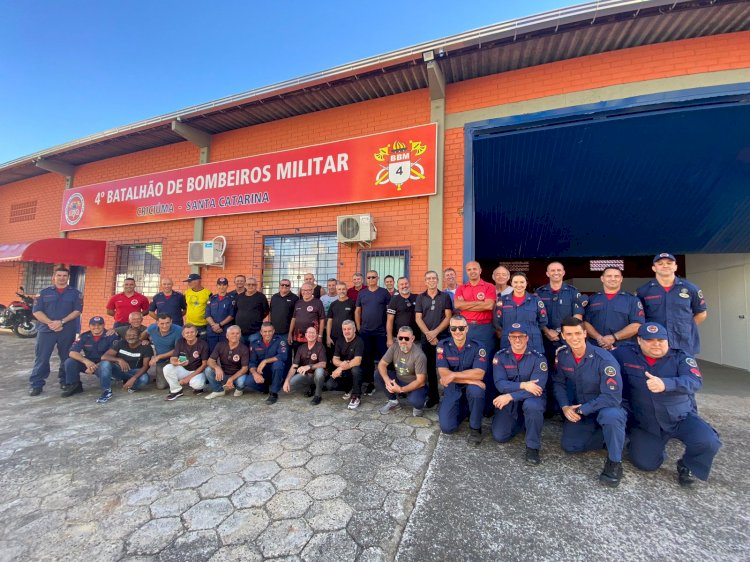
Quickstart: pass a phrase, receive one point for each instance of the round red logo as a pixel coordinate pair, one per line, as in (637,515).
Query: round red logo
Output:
(235,358)
(309,309)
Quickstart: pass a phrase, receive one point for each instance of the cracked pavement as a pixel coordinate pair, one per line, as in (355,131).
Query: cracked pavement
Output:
(229,479)
(232,479)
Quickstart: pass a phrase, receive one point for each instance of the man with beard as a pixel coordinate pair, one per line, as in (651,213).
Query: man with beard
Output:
(409,373)
(400,312)
(252,307)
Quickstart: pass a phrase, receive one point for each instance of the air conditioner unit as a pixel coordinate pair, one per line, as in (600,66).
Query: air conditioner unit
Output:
(207,252)
(355,228)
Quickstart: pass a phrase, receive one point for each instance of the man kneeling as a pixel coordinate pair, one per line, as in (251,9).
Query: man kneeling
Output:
(187,364)
(410,377)
(520,375)
(228,362)
(308,368)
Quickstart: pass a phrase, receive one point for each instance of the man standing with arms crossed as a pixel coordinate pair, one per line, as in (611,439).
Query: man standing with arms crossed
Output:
(476,300)
(168,302)
(370,317)
(432,313)
(196,297)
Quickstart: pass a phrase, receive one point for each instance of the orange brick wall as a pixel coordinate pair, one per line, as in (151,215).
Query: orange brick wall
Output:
(677,58)
(400,223)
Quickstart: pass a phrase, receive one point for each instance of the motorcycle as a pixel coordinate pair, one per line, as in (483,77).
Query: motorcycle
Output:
(17,316)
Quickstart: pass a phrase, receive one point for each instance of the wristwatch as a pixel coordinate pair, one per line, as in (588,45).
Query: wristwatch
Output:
(578,411)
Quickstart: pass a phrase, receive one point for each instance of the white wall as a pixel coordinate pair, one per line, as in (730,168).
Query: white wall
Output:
(724,336)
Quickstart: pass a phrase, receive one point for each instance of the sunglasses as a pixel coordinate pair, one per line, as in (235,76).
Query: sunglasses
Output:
(458,328)
(404,338)
(372,276)
(285,285)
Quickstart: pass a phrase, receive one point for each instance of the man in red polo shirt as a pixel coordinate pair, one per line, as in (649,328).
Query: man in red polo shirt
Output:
(476,300)
(122,304)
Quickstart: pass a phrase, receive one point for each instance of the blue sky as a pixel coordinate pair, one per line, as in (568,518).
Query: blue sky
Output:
(74,68)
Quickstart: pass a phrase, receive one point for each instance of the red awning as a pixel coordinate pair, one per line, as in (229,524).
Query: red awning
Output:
(57,250)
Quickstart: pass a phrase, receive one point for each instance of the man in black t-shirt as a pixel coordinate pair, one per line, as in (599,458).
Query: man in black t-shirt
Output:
(252,308)
(282,308)
(347,358)
(401,312)
(338,311)
(187,364)
(433,310)
(229,361)
(308,367)
(127,360)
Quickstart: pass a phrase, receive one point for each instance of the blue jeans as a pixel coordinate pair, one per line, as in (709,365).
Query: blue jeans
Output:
(108,371)
(416,397)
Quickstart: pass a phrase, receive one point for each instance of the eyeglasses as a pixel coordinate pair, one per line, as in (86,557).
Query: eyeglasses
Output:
(372,276)
(252,283)
(404,338)
(458,328)
(522,336)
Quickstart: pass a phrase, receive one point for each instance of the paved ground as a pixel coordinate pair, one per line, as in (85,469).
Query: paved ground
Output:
(233,479)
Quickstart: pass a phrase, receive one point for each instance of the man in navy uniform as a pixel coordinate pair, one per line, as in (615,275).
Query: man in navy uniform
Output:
(588,388)
(461,367)
(267,367)
(660,384)
(85,355)
(561,300)
(674,303)
(520,376)
(56,308)
(220,313)
(613,316)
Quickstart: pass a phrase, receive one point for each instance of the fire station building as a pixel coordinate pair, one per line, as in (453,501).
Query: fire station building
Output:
(602,133)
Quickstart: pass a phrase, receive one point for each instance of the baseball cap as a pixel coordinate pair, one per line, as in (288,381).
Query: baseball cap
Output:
(222,281)
(664,256)
(518,328)
(652,331)
(96,320)
(192,277)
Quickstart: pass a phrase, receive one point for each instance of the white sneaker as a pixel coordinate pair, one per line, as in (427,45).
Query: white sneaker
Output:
(347,395)
(215,395)
(390,406)
(354,404)
(238,392)
(417,412)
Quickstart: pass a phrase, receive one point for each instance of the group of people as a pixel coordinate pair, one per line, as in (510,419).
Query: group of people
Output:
(612,364)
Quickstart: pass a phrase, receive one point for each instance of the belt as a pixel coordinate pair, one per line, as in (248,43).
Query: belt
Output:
(479,323)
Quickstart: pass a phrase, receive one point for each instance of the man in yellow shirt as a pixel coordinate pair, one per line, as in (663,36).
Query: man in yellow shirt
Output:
(197,299)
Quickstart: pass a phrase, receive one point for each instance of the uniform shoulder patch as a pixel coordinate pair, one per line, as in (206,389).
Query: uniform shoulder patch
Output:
(439,349)
(540,304)
(610,371)
(495,361)
(700,294)
(640,304)
(482,352)
(584,303)
(690,361)
(543,366)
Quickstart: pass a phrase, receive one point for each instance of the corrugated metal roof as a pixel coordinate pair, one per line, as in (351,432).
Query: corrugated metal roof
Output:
(567,33)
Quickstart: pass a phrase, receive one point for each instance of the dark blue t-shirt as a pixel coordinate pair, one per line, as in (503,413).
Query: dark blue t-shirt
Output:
(374,305)
(172,305)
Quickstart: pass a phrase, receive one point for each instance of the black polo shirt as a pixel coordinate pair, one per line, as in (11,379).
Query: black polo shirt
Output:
(282,309)
(306,356)
(433,310)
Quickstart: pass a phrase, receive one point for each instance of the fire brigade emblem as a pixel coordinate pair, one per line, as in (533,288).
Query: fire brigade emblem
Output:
(399,163)
(74,209)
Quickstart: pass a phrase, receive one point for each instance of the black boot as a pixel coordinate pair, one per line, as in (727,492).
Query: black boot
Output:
(532,456)
(684,476)
(71,389)
(475,437)
(611,474)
